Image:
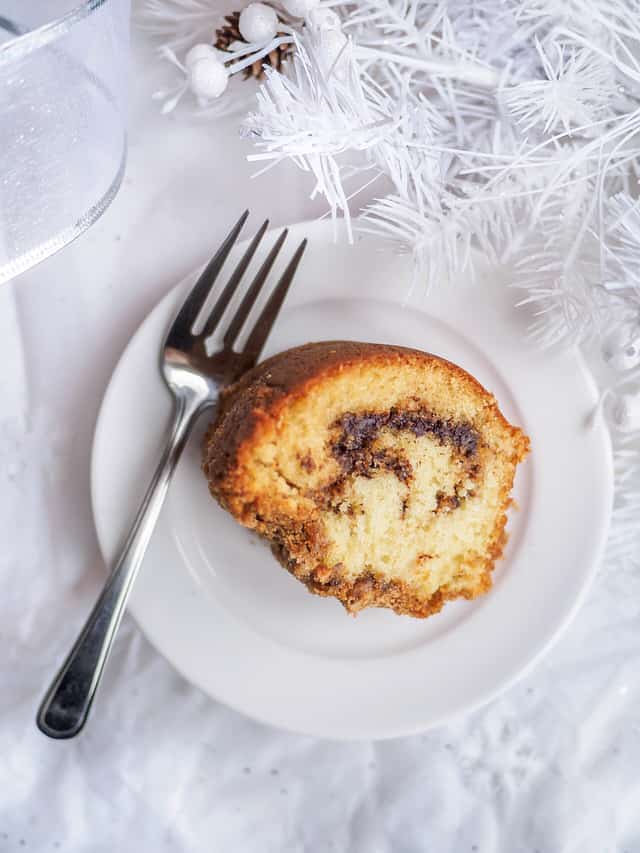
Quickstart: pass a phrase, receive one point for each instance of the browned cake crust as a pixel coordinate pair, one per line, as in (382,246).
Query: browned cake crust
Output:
(251,414)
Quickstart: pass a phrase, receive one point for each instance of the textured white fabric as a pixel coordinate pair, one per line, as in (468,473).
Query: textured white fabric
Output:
(552,766)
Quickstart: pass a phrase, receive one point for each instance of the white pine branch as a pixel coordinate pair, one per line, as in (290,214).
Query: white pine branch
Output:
(313,116)
(622,245)
(577,88)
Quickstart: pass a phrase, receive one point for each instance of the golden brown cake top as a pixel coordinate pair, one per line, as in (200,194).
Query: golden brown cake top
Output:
(290,373)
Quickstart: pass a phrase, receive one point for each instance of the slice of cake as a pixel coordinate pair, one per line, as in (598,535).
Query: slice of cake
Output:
(380,475)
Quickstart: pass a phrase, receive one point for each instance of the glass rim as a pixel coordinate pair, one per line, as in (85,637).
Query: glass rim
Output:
(26,43)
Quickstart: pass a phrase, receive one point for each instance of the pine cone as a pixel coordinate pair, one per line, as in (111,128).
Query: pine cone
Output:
(230,32)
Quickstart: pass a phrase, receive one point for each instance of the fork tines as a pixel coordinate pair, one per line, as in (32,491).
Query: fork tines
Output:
(192,308)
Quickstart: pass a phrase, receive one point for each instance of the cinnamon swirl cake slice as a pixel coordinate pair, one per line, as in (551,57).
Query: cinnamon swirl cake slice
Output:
(380,475)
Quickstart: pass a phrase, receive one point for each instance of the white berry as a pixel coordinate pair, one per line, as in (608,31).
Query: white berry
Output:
(208,78)
(199,51)
(625,412)
(258,22)
(300,8)
(621,349)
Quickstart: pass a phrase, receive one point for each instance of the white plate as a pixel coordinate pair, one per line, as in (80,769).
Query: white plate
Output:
(213,600)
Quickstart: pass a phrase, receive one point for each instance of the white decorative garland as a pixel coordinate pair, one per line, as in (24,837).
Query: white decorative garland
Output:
(508,125)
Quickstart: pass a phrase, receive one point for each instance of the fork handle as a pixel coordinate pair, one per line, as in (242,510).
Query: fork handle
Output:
(65,707)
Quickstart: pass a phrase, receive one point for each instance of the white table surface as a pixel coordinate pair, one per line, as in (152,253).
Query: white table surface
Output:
(552,766)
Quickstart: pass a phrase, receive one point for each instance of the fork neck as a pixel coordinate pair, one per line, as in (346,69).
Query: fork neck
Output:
(189,404)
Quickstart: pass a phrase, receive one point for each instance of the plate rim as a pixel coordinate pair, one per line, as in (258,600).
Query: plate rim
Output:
(391,731)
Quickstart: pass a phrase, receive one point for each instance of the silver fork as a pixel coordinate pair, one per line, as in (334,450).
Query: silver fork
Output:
(194,378)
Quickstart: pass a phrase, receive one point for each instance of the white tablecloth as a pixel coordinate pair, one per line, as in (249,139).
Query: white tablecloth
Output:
(552,766)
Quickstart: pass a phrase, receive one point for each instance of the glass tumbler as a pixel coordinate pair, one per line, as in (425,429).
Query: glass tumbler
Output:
(63,71)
